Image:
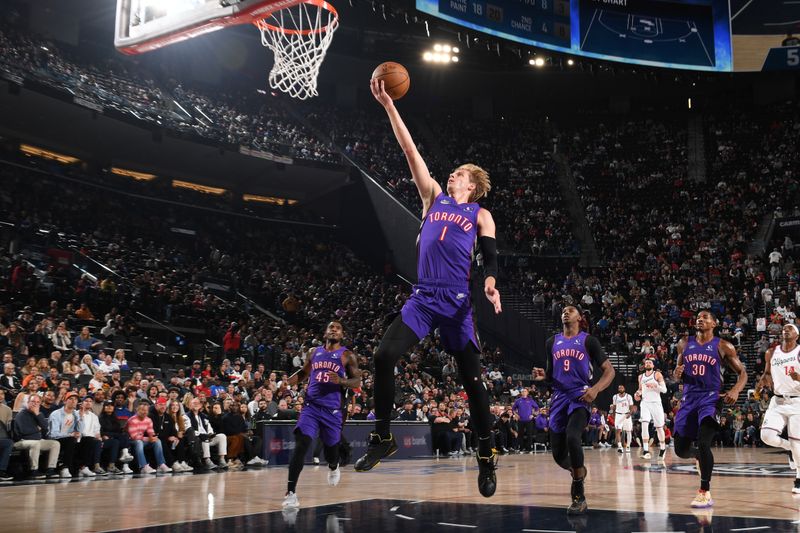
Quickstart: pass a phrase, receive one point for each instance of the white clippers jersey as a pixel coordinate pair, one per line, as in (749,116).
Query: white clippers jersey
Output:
(622,404)
(650,388)
(781,366)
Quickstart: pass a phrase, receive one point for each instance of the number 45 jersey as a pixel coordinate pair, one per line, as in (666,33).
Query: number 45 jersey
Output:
(321,392)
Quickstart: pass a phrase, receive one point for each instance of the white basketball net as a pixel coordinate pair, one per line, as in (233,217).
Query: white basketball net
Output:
(299,36)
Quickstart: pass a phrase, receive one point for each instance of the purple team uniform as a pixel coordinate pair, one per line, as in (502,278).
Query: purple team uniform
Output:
(441,297)
(322,413)
(571,374)
(702,382)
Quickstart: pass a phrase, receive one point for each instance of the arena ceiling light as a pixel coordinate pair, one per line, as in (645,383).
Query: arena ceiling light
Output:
(537,62)
(442,54)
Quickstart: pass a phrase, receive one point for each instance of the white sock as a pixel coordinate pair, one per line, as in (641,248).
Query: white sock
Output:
(645,436)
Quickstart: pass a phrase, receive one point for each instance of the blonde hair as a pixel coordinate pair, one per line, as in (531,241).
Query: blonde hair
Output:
(481,180)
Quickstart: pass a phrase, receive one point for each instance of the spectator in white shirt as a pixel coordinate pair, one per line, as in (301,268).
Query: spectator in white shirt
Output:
(97,381)
(91,442)
(108,365)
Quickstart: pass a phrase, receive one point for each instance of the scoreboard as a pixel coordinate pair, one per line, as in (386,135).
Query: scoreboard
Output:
(683,34)
(543,21)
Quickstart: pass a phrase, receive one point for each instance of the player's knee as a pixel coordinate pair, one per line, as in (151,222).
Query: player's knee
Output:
(770,437)
(302,442)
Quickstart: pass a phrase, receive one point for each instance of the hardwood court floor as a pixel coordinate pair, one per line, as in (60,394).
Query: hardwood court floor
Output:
(750,483)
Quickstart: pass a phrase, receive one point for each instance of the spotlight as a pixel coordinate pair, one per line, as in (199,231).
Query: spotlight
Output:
(531,61)
(446,48)
(539,62)
(427,56)
(455,49)
(454,59)
(445,58)
(437,47)
(437,57)
(570,62)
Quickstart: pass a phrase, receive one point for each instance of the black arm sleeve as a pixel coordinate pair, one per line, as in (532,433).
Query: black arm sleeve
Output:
(548,369)
(489,251)
(596,352)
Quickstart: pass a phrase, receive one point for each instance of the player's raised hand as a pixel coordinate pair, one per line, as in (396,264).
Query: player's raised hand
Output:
(493,295)
(538,374)
(678,373)
(377,88)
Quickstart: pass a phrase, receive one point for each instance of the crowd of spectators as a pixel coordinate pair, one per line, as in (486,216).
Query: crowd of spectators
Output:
(231,119)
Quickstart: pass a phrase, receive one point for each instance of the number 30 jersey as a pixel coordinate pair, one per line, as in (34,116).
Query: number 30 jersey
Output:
(702,366)
(321,391)
(782,365)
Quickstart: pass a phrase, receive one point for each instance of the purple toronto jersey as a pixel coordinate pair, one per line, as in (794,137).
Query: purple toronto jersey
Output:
(702,371)
(320,391)
(572,370)
(446,240)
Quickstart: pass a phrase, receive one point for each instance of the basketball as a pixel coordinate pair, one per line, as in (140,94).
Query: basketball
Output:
(395,79)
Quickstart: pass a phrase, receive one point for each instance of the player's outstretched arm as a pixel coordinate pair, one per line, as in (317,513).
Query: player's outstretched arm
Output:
(730,357)
(304,372)
(426,186)
(487,237)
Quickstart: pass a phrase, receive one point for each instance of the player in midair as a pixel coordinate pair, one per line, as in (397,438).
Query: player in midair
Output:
(622,418)
(573,354)
(330,370)
(451,225)
(782,375)
(651,387)
(700,360)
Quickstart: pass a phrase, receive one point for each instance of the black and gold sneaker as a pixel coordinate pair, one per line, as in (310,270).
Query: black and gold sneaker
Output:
(578,505)
(377,449)
(487,478)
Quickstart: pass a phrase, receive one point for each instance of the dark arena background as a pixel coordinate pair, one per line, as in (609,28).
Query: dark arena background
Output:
(184,213)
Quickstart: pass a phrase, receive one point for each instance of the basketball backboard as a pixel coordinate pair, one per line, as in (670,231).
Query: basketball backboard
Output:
(144,25)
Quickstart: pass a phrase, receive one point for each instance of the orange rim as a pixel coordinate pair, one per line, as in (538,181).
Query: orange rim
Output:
(263,25)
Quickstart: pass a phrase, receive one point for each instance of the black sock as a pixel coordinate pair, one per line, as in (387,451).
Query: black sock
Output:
(484,447)
(382,428)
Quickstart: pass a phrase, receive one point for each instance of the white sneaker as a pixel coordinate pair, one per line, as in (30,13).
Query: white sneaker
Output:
(211,465)
(126,469)
(315,461)
(334,476)
(627,450)
(64,474)
(85,472)
(147,470)
(184,467)
(255,461)
(163,469)
(126,456)
(646,455)
(290,501)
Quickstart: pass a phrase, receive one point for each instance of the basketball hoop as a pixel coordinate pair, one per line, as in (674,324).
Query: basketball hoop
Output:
(299,37)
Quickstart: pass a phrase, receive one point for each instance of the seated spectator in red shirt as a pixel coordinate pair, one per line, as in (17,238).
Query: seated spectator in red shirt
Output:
(142,435)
